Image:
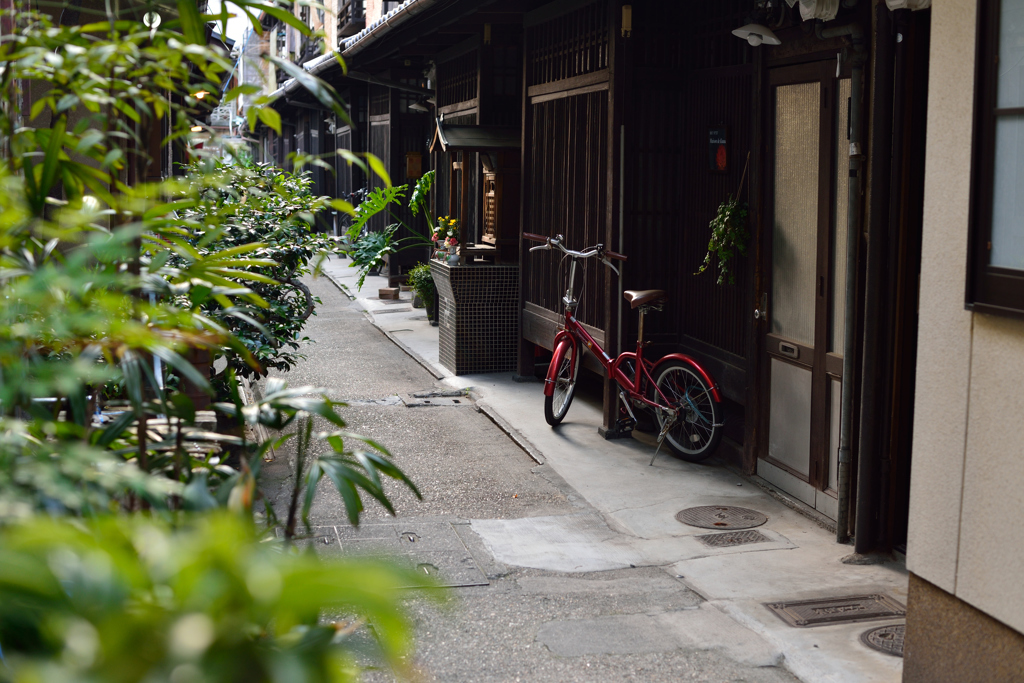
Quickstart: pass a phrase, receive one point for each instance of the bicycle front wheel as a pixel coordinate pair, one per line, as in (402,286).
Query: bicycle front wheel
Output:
(697,429)
(557,404)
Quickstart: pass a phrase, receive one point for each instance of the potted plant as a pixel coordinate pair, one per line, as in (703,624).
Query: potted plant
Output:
(446,236)
(422,284)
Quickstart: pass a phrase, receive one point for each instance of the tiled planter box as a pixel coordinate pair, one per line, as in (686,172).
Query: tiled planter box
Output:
(478,316)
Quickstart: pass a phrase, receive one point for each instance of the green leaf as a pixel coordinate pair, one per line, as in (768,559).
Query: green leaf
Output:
(323,92)
(192,24)
(244,89)
(270,117)
(377,166)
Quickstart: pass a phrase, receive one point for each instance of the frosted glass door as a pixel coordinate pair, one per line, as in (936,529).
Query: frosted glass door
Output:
(795,234)
(794,269)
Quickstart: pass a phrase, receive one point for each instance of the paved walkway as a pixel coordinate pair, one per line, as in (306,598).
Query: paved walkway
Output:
(630,521)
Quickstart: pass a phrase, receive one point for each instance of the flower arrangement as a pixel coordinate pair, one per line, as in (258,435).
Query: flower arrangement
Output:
(447,231)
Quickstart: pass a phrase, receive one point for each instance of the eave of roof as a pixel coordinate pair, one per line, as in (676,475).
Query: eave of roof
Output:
(354,44)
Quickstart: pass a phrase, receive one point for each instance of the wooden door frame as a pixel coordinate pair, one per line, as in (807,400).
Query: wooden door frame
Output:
(823,72)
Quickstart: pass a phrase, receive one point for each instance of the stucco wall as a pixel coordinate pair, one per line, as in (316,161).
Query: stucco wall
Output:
(967,483)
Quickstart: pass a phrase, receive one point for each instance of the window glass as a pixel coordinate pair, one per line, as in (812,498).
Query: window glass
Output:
(1008,194)
(1011,55)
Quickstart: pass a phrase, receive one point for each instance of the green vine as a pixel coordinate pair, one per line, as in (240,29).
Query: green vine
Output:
(728,238)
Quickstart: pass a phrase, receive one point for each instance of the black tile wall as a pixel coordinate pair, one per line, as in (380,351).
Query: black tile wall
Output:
(478,317)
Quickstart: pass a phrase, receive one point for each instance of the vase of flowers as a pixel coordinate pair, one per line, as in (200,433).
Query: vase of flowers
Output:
(446,236)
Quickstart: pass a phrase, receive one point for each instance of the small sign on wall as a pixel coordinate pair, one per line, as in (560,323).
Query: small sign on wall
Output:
(718,149)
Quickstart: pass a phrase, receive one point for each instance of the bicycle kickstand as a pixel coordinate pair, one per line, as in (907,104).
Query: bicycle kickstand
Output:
(661,437)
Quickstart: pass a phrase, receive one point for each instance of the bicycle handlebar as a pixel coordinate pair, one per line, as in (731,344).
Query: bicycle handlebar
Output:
(550,242)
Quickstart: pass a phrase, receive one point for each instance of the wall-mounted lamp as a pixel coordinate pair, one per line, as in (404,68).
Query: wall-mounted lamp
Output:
(196,129)
(201,94)
(419,106)
(755,34)
(627,20)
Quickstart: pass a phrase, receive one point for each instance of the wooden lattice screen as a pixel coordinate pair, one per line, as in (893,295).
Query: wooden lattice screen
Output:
(570,45)
(380,100)
(343,180)
(457,79)
(568,150)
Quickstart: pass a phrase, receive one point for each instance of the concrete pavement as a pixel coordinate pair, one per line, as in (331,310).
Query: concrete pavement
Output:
(629,522)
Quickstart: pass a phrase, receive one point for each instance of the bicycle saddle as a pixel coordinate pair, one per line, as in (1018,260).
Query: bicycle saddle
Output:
(639,297)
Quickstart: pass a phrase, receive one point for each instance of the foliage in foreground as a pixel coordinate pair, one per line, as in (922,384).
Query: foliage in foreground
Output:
(260,203)
(111,290)
(124,599)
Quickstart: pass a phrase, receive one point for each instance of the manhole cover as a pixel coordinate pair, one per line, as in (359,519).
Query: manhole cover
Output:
(804,613)
(887,639)
(731,538)
(721,517)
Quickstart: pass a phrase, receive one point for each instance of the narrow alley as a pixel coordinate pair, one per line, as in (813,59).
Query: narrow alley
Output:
(591,579)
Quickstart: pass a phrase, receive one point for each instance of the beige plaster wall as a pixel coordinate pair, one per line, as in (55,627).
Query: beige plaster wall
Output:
(967,483)
(991,536)
(944,335)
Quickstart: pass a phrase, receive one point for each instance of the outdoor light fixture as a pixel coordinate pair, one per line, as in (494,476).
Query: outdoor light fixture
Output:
(755,34)
(201,94)
(419,106)
(196,129)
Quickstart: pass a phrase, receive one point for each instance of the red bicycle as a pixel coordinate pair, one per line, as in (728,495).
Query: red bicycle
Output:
(684,399)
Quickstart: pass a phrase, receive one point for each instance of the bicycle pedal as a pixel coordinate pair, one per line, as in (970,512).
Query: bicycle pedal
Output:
(625,424)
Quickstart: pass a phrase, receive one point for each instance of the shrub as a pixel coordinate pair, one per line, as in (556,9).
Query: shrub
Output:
(422,283)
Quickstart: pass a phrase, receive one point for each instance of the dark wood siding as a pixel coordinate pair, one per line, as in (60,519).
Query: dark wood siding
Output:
(457,79)
(568,153)
(571,45)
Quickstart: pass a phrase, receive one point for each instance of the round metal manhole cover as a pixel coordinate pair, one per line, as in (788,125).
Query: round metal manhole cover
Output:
(887,639)
(721,517)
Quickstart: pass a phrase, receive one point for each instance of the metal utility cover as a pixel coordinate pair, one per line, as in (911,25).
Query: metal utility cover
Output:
(431,547)
(434,398)
(435,402)
(887,639)
(825,611)
(721,517)
(732,538)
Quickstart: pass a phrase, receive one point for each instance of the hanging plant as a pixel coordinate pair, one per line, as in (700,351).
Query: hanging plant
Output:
(728,234)
(728,238)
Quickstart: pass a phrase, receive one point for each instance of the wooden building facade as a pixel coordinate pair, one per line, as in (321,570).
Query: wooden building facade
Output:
(637,120)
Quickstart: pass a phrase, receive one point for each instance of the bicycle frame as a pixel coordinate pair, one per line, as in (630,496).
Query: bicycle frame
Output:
(576,334)
(634,388)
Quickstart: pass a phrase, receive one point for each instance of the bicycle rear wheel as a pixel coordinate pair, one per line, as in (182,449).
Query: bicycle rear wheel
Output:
(557,405)
(697,430)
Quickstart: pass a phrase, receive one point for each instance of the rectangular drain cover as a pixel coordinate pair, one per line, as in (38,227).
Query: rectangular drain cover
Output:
(731,538)
(805,613)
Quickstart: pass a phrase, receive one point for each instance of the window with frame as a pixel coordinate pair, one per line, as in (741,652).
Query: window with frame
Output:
(996,261)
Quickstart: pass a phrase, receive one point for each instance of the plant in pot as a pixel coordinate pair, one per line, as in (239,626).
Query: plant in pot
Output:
(422,284)
(446,236)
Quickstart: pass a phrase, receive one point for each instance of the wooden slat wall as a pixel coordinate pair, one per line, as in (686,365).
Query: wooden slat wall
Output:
(457,79)
(715,314)
(380,145)
(570,45)
(686,82)
(568,155)
(343,181)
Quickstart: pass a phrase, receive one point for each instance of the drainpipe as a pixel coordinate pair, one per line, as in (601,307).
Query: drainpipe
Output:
(853,222)
(873,395)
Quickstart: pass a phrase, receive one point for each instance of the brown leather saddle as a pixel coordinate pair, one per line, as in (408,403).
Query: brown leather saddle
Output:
(641,297)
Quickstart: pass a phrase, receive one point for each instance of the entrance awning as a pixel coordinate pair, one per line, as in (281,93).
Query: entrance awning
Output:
(475,138)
